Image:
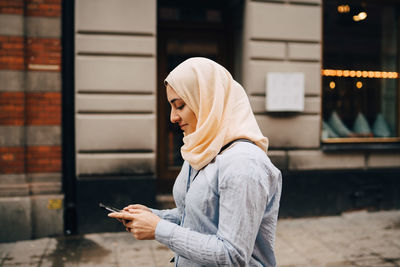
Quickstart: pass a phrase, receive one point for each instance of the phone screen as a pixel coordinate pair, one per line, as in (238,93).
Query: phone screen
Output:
(109,208)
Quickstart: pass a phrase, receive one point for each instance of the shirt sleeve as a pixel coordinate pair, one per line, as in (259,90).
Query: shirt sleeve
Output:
(171,215)
(243,200)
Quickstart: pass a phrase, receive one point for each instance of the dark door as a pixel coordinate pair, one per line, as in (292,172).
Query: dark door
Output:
(202,29)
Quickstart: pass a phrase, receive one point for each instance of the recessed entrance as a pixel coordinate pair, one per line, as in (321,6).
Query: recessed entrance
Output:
(210,29)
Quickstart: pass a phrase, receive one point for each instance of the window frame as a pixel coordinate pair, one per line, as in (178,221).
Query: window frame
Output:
(363,143)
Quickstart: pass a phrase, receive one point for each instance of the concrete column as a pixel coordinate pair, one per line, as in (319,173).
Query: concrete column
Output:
(115,87)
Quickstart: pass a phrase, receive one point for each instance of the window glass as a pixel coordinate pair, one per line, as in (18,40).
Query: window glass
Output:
(360,71)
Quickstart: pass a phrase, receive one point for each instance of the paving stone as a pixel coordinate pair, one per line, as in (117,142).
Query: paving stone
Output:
(351,240)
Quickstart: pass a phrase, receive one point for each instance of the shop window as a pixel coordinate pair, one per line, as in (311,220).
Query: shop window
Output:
(360,74)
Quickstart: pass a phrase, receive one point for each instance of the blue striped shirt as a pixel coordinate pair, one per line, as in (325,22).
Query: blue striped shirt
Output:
(226,213)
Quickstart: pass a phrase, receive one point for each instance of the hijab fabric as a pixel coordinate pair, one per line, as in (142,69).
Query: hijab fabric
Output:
(221,107)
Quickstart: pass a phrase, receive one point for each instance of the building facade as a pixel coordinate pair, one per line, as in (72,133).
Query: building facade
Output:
(84,117)
(30,120)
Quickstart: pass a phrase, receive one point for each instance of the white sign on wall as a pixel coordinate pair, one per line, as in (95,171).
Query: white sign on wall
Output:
(284,91)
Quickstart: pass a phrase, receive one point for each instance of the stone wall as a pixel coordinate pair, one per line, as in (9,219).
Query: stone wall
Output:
(30,119)
(115,87)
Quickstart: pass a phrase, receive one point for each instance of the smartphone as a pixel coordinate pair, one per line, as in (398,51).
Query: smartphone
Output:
(109,208)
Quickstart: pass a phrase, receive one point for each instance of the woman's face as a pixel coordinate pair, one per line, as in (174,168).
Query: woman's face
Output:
(180,112)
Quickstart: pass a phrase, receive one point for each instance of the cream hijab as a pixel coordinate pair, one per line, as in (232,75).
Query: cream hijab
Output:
(221,107)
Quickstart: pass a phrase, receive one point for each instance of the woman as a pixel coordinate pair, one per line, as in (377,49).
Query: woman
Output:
(227,193)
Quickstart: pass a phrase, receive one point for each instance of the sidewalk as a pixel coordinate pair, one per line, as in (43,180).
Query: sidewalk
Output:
(353,239)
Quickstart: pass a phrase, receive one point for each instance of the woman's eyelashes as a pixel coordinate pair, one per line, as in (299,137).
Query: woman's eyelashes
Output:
(179,104)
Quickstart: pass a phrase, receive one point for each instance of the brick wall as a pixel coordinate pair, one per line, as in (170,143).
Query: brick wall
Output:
(19,106)
(12,160)
(43,159)
(43,51)
(30,117)
(43,8)
(15,7)
(43,108)
(12,108)
(12,52)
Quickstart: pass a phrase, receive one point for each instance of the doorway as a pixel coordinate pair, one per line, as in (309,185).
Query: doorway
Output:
(210,29)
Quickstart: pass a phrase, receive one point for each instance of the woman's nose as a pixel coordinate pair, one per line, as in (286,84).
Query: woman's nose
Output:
(174,117)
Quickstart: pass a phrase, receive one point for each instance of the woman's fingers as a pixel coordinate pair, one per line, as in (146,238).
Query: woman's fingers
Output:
(136,206)
(121,215)
(144,224)
(128,207)
(141,223)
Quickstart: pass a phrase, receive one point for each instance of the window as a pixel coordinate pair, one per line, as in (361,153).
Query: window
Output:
(360,75)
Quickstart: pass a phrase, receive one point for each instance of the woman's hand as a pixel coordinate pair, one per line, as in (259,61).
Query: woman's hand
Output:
(140,222)
(136,206)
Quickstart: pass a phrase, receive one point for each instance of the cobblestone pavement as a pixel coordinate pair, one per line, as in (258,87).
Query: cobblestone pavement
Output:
(352,239)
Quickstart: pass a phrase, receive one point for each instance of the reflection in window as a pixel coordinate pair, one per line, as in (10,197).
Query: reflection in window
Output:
(360,70)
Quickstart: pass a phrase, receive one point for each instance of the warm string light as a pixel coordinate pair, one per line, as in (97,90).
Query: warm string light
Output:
(360,16)
(332,85)
(343,8)
(346,9)
(360,73)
